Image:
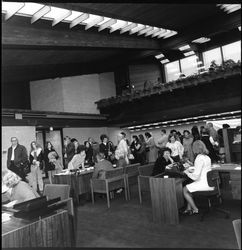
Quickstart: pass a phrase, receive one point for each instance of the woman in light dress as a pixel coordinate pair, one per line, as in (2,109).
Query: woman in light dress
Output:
(176,147)
(152,153)
(78,159)
(202,165)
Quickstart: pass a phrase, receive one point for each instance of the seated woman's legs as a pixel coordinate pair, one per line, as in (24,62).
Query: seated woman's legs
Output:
(190,202)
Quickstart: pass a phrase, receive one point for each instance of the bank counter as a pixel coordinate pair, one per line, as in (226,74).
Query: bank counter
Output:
(54,229)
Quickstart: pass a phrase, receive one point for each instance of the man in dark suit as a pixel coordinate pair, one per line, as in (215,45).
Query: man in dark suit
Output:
(17,158)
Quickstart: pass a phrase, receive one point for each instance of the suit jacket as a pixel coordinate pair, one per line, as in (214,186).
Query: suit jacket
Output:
(20,155)
(100,169)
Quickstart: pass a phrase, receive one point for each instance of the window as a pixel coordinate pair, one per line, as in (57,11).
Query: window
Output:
(172,71)
(212,55)
(232,51)
(189,65)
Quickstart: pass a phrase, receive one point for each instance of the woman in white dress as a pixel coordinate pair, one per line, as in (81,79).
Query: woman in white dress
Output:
(202,165)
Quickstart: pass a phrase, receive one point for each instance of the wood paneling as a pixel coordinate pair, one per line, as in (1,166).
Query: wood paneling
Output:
(52,231)
(166,198)
(139,73)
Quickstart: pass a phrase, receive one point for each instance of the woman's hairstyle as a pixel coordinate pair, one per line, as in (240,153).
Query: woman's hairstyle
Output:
(164,131)
(163,150)
(147,134)
(186,131)
(141,137)
(102,137)
(172,135)
(135,137)
(198,147)
(46,145)
(205,131)
(11,179)
(195,130)
(173,131)
(31,146)
(80,148)
(74,139)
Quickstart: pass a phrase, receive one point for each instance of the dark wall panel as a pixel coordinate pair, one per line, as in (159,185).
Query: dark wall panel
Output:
(16,95)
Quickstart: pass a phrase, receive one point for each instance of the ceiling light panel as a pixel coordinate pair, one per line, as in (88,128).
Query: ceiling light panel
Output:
(159,56)
(55,13)
(11,9)
(119,24)
(73,16)
(184,47)
(189,53)
(201,40)
(136,29)
(164,61)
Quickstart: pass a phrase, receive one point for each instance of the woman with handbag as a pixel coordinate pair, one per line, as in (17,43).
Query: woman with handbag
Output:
(36,159)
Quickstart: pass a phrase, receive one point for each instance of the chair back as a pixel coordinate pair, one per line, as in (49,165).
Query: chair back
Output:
(133,168)
(237,230)
(53,191)
(114,173)
(213,179)
(146,170)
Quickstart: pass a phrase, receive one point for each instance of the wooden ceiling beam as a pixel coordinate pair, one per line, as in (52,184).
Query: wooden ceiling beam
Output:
(18,31)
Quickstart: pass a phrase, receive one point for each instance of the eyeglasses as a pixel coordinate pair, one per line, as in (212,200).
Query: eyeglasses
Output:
(13,140)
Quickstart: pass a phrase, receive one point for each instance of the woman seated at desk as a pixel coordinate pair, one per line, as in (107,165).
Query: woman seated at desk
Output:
(202,165)
(18,190)
(78,159)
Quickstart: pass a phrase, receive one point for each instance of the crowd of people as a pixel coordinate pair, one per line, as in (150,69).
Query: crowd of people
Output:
(198,148)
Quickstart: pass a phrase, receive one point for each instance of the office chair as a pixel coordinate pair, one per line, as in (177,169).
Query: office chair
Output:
(237,230)
(213,181)
(57,190)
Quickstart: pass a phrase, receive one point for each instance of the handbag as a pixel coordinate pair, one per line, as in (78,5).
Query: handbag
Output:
(25,167)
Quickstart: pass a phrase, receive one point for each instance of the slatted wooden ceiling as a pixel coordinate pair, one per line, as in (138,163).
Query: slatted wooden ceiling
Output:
(40,44)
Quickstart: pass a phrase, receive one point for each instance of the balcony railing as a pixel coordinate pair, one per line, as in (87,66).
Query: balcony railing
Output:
(223,71)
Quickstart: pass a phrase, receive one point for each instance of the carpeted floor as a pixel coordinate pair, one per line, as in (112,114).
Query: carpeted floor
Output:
(129,224)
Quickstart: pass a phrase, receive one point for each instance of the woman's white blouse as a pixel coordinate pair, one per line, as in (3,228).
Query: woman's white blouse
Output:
(176,148)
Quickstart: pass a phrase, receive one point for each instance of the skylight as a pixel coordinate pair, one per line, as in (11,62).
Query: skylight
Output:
(38,11)
(201,40)
(229,8)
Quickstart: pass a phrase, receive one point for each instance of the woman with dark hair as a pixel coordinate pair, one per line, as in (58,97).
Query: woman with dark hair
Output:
(134,147)
(195,133)
(89,153)
(176,147)
(52,161)
(163,161)
(208,141)
(141,153)
(36,159)
(78,159)
(150,148)
(198,174)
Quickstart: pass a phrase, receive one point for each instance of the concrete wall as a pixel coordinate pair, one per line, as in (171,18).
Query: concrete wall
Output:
(24,134)
(47,95)
(76,94)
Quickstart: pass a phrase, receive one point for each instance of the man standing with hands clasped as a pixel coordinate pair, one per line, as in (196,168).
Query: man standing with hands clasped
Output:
(17,158)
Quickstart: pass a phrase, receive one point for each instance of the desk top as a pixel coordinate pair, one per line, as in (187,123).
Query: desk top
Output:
(228,167)
(82,172)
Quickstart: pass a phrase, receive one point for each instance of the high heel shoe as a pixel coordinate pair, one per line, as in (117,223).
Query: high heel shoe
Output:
(194,212)
(187,212)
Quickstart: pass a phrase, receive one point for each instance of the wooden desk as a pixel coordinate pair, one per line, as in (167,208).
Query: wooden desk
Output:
(230,180)
(166,198)
(51,231)
(79,184)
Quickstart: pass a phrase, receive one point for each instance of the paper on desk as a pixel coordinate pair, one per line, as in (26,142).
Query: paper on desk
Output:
(5,217)
(10,204)
(216,166)
(238,168)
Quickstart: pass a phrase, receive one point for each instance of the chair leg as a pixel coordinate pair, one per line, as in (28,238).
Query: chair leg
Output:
(92,193)
(127,185)
(125,190)
(140,195)
(108,201)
